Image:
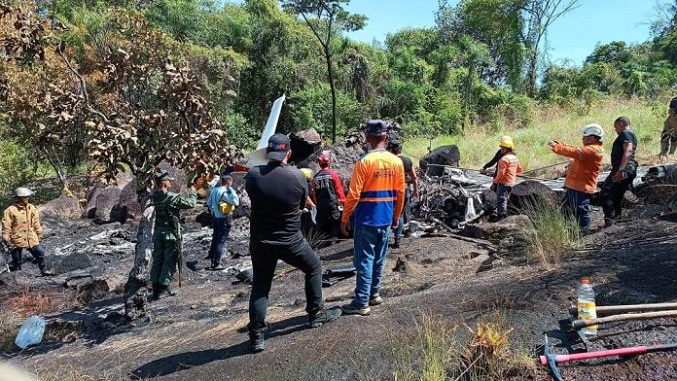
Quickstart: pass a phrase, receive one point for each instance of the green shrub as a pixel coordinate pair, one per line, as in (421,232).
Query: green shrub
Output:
(551,236)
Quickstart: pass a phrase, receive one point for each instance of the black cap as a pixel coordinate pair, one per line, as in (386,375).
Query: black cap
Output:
(394,144)
(163,176)
(278,146)
(377,127)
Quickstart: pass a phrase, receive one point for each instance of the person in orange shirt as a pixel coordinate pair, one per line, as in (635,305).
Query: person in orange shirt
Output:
(506,174)
(581,179)
(376,198)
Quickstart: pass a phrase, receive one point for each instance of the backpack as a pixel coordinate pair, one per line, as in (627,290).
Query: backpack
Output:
(225,207)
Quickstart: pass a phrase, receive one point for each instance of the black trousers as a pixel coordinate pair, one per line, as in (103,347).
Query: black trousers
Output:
(264,261)
(612,195)
(329,220)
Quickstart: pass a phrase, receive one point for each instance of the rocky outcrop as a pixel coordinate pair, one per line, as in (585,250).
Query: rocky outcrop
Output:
(62,207)
(105,204)
(119,202)
(495,232)
(73,262)
(531,194)
(432,163)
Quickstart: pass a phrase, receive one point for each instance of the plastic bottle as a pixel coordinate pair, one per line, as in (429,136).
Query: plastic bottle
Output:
(31,332)
(586,306)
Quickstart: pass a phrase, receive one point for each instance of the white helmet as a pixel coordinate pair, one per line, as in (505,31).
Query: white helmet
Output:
(593,129)
(23,192)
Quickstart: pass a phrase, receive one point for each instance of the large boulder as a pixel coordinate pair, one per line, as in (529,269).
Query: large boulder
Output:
(105,204)
(99,288)
(432,164)
(62,207)
(128,203)
(497,231)
(72,262)
(530,194)
(90,208)
(304,146)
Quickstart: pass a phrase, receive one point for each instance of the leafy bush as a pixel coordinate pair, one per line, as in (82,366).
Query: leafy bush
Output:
(16,166)
(311,108)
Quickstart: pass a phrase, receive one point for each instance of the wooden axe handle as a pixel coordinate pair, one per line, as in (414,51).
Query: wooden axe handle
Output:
(610,310)
(578,324)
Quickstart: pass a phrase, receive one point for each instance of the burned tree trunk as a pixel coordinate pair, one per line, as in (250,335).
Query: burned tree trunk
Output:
(136,288)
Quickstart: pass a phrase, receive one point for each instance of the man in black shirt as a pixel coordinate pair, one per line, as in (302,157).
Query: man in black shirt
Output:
(623,170)
(278,192)
(395,147)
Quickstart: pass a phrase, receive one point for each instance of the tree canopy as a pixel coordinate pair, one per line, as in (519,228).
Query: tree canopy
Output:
(128,83)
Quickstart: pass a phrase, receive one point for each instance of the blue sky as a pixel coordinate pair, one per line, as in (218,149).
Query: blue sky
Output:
(573,36)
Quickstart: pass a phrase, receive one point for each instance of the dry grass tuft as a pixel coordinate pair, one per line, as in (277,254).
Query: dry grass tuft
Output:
(488,352)
(73,373)
(439,351)
(9,326)
(551,236)
(31,301)
(15,308)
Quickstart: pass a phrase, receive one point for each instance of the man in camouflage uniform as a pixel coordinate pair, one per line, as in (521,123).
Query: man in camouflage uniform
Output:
(167,233)
(21,229)
(669,134)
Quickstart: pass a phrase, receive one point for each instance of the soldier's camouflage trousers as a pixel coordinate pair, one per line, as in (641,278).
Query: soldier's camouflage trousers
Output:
(669,135)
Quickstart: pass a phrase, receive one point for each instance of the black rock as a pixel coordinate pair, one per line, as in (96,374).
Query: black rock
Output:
(75,261)
(440,156)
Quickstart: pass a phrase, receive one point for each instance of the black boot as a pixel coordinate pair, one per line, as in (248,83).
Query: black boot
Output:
(156,291)
(257,341)
(43,268)
(164,292)
(396,244)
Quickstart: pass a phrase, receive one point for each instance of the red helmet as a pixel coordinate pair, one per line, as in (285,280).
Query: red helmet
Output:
(325,157)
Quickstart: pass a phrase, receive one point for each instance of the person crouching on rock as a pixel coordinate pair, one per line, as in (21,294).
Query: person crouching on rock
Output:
(581,179)
(278,192)
(506,174)
(167,234)
(21,229)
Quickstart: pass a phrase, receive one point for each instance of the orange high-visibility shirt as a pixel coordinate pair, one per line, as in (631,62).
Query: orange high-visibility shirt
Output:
(583,172)
(376,192)
(507,170)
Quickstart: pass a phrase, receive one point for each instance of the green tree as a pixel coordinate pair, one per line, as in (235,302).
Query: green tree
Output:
(539,16)
(475,56)
(498,24)
(325,18)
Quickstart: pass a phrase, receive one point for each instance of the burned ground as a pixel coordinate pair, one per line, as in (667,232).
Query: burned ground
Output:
(457,280)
